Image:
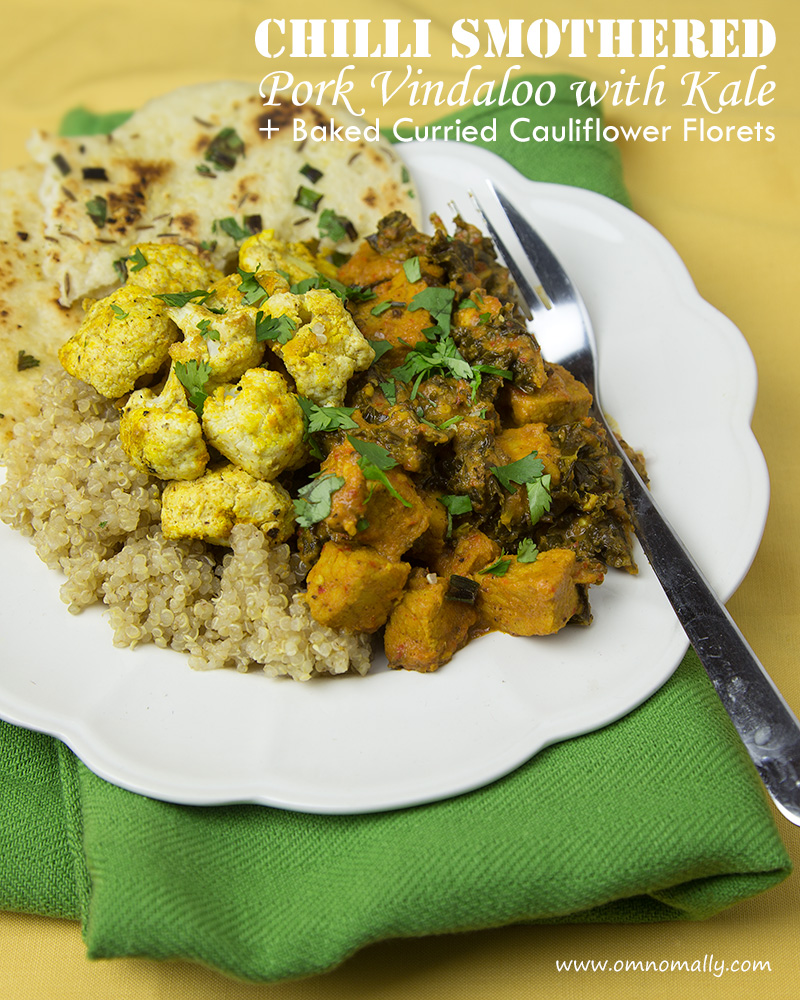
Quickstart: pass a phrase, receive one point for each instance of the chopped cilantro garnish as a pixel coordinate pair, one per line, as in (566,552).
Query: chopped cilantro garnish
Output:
(326,418)
(180,299)
(527,472)
(280,328)
(389,389)
(193,376)
(454,504)
(97,210)
(498,568)
(251,291)
(450,422)
(380,347)
(25,361)
(527,551)
(354,293)
(336,227)
(404,175)
(224,149)
(375,461)
(230,226)
(438,302)
(412,268)
(306,198)
(428,357)
(380,308)
(207,332)
(538,497)
(118,312)
(314,501)
(137,260)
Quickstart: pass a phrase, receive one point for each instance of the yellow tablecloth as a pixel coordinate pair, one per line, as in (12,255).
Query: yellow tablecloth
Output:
(731,208)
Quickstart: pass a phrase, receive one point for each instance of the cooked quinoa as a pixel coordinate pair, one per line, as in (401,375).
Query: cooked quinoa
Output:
(89,513)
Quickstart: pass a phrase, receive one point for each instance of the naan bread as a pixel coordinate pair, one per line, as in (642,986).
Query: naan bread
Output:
(31,319)
(150,180)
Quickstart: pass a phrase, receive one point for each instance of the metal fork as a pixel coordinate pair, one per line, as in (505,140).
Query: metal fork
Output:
(767,726)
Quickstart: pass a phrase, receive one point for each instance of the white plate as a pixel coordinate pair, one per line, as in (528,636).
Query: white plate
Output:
(679,379)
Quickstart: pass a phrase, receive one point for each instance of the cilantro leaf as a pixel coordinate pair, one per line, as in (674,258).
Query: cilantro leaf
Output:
(336,227)
(438,302)
(412,269)
(353,293)
(430,356)
(193,376)
(375,461)
(314,500)
(380,347)
(389,389)
(207,332)
(180,299)
(137,260)
(118,311)
(230,226)
(527,552)
(525,470)
(538,497)
(455,504)
(251,291)
(280,328)
(498,568)
(326,418)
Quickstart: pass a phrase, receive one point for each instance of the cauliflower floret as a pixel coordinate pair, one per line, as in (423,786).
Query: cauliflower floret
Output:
(263,252)
(161,434)
(122,337)
(220,330)
(325,348)
(257,424)
(208,507)
(167,268)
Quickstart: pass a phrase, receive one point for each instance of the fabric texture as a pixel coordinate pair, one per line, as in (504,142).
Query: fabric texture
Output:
(659,816)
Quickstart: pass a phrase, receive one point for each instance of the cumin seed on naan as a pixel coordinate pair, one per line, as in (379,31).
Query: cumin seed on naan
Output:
(152,180)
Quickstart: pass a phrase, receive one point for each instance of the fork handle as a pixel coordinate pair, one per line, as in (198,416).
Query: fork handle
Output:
(767,726)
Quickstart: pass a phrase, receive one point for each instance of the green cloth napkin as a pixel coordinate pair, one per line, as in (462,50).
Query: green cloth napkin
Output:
(659,816)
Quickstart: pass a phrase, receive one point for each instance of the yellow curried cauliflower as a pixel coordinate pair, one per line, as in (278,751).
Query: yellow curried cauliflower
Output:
(167,268)
(124,336)
(161,434)
(208,507)
(225,340)
(326,347)
(257,424)
(263,252)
